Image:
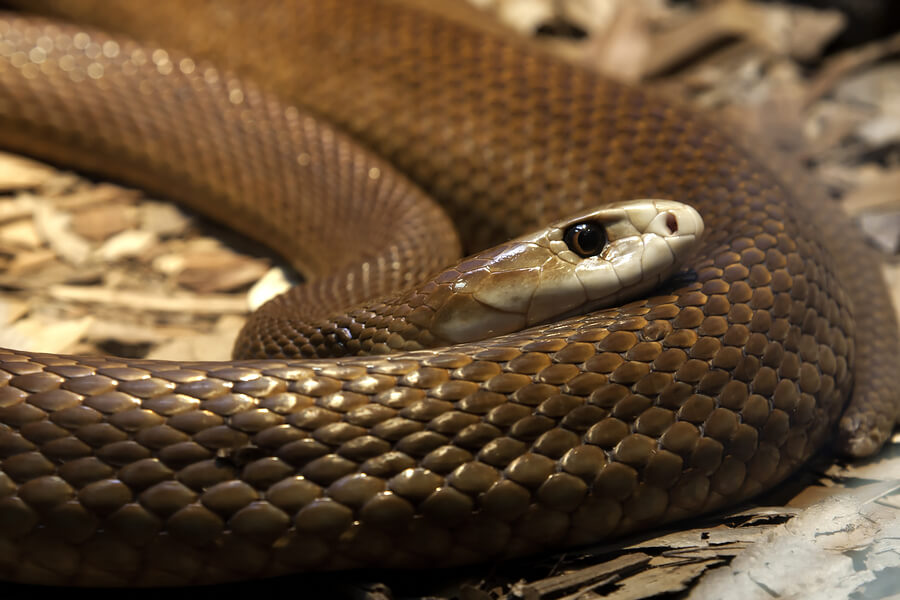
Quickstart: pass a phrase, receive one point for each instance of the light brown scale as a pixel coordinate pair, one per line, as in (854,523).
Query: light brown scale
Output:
(119,472)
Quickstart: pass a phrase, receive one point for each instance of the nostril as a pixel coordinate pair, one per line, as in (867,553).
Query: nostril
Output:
(672,222)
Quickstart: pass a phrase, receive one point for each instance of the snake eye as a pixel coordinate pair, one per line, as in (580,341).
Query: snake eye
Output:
(585,239)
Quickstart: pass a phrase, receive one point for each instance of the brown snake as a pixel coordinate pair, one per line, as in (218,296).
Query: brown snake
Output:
(128,472)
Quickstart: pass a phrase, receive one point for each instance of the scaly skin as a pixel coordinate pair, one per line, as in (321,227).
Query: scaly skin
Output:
(132,472)
(530,280)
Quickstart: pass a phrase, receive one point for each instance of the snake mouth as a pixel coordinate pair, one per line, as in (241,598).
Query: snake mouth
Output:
(663,279)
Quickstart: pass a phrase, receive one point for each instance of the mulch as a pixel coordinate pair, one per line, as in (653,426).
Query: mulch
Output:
(92,267)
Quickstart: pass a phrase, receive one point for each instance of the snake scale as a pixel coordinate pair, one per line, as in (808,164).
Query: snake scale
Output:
(129,472)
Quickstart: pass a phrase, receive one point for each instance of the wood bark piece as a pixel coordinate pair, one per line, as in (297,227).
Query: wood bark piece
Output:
(178,303)
(104,221)
(818,554)
(18,173)
(582,580)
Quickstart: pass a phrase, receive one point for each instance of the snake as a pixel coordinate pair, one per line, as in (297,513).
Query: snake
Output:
(370,141)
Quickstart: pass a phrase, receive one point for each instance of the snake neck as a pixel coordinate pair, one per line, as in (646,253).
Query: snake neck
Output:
(384,325)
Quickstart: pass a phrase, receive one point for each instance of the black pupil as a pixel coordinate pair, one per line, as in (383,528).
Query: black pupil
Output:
(585,239)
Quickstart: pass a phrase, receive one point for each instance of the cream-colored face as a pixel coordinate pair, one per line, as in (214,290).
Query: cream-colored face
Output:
(588,261)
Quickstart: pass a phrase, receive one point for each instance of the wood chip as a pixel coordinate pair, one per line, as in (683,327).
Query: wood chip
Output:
(127,244)
(25,264)
(216,345)
(791,562)
(704,537)
(86,197)
(20,173)
(829,124)
(22,233)
(581,580)
(55,336)
(525,16)
(632,47)
(276,281)
(102,222)
(126,333)
(163,219)
(54,228)
(178,302)
(883,228)
(14,209)
(11,310)
(667,579)
(219,270)
(838,67)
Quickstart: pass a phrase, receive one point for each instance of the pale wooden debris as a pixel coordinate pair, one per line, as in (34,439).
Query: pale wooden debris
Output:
(708,537)
(11,310)
(54,229)
(662,579)
(163,219)
(829,123)
(524,16)
(635,40)
(104,221)
(21,234)
(56,336)
(597,15)
(839,66)
(72,197)
(883,229)
(582,580)
(219,270)
(277,280)
(174,303)
(129,333)
(14,209)
(25,262)
(54,272)
(821,537)
(127,244)
(20,173)
(216,345)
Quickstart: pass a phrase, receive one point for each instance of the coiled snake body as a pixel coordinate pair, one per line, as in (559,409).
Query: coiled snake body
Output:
(126,472)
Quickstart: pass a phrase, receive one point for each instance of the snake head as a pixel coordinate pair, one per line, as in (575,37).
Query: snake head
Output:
(590,260)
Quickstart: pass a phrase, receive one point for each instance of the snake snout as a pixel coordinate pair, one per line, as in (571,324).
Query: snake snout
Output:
(680,225)
(674,219)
